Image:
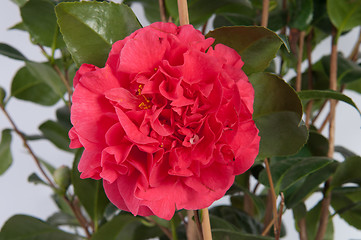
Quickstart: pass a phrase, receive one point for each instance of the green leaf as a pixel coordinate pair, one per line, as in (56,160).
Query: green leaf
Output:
(289,171)
(56,133)
(277,113)
(62,219)
(348,171)
(312,222)
(346,153)
(20,3)
(256,45)
(347,209)
(90,41)
(345,14)
(40,21)
(34,178)
(221,234)
(90,192)
(2,96)
(301,13)
(47,74)
(63,117)
(150,7)
(11,52)
(310,185)
(27,87)
(22,227)
(19,26)
(326,94)
(5,152)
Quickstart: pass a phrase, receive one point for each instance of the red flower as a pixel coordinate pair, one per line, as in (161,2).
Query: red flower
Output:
(167,123)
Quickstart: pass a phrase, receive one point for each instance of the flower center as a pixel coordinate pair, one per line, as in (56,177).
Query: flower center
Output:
(145,104)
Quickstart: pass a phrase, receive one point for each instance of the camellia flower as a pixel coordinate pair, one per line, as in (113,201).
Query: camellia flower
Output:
(167,123)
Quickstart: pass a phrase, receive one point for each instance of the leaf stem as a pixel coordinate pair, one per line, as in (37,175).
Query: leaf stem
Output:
(183,12)
(66,84)
(265,9)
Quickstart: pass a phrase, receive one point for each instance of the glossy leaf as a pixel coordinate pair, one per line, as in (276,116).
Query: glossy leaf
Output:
(56,133)
(289,171)
(310,185)
(345,14)
(5,152)
(47,74)
(25,84)
(277,113)
(90,28)
(40,21)
(348,171)
(90,192)
(22,227)
(326,94)
(256,45)
(301,14)
(11,52)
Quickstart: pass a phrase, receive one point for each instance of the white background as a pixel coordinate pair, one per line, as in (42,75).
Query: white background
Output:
(17,196)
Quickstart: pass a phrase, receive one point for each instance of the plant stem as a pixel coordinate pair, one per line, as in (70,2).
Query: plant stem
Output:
(206,225)
(280,212)
(66,84)
(355,50)
(331,147)
(162,13)
(265,9)
(27,146)
(191,226)
(183,12)
(309,74)
(198,223)
(274,198)
(164,230)
(299,61)
(174,229)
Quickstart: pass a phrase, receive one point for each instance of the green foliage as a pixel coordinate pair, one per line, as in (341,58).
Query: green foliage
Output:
(256,45)
(40,21)
(22,227)
(90,41)
(11,52)
(90,192)
(5,152)
(277,113)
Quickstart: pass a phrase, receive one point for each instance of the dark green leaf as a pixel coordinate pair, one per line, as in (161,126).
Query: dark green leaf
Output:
(63,116)
(345,14)
(11,52)
(2,96)
(221,234)
(310,184)
(90,41)
(19,26)
(47,74)
(317,144)
(62,204)
(27,87)
(5,152)
(301,12)
(256,45)
(56,133)
(277,113)
(22,227)
(312,222)
(62,219)
(347,209)
(40,21)
(346,153)
(34,178)
(348,171)
(90,192)
(289,171)
(326,94)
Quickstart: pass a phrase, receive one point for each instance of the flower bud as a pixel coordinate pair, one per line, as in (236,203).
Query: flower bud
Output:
(62,177)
